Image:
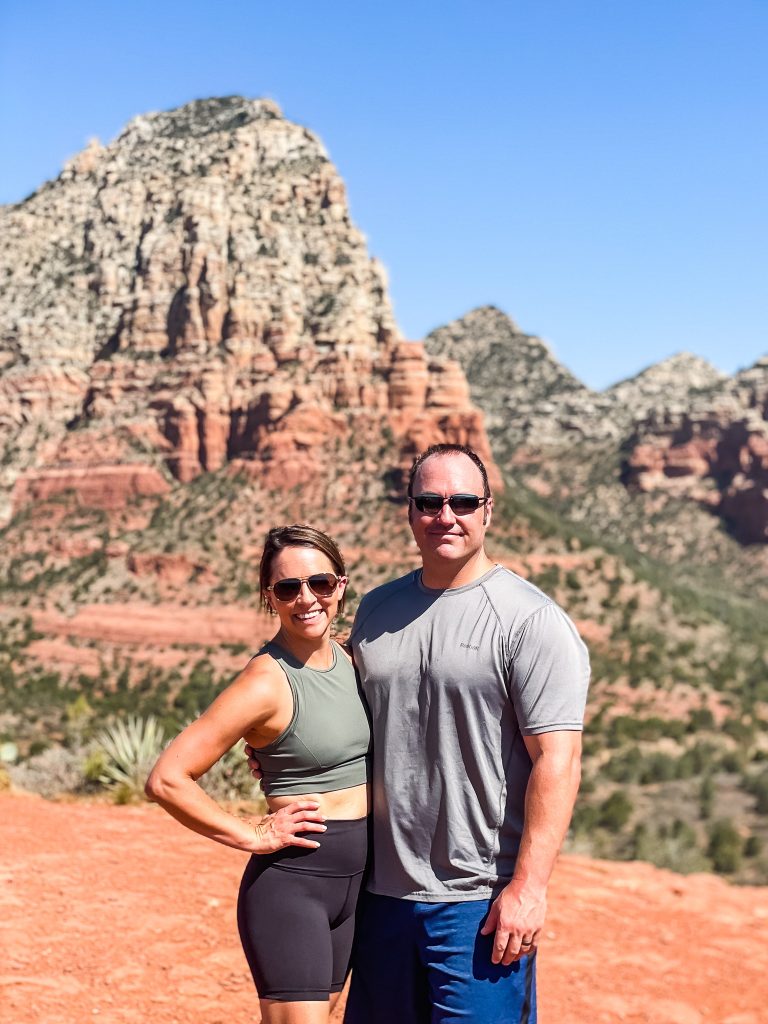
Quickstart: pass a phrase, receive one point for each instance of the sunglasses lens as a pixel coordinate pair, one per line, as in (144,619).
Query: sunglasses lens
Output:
(462,504)
(430,504)
(323,584)
(287,590)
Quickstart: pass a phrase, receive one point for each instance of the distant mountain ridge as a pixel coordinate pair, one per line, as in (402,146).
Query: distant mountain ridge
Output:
(677,423)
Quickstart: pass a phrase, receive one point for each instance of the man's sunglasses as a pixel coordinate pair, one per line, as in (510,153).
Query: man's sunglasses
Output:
(460,504)
(322,584)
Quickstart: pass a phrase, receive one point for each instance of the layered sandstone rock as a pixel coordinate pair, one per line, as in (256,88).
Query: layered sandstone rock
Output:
(715,453)
(198,290)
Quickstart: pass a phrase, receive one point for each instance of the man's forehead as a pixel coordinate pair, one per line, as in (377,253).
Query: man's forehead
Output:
(454,468)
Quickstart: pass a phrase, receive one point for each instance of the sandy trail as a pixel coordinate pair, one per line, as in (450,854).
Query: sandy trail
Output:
(118,915)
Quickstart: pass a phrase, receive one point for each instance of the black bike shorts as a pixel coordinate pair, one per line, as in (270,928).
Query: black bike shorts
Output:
(296,913)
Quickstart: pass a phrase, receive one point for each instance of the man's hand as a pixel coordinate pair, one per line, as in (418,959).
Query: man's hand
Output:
(254,765)
(517,917)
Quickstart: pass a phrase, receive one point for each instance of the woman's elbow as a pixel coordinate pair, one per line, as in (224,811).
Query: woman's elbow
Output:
(158,785)
(152,786)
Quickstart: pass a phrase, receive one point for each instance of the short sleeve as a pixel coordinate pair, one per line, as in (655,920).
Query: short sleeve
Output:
(548,673)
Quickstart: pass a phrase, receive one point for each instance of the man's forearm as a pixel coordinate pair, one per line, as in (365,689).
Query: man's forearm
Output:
(549,800)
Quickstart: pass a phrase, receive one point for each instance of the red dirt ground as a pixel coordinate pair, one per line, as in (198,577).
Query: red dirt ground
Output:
(118,915)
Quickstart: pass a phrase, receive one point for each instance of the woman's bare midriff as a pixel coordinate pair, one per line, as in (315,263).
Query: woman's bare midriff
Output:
(340,805)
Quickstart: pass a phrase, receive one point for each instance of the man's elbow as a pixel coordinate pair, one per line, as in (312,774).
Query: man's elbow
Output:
(564,763)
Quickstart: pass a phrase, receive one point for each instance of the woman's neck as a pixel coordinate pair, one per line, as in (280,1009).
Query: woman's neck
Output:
(316,652)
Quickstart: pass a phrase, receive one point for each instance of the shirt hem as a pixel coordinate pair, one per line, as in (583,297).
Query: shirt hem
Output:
(535,730)
(441,897)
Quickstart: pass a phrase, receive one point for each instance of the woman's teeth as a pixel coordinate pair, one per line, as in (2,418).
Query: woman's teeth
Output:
(306,616)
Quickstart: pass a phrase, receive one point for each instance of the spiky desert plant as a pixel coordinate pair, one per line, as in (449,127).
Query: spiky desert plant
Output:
(132,746)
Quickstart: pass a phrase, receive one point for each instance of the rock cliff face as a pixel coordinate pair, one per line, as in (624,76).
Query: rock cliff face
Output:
(715,452)
(681,427)
(523,390)
(196,294)
(531,398)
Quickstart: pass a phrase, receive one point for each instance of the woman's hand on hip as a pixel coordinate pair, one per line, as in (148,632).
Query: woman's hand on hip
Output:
(279,829)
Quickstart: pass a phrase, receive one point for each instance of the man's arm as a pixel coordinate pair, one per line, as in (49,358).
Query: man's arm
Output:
(517,915)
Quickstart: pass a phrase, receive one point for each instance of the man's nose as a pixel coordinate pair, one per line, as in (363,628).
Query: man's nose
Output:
(446,514)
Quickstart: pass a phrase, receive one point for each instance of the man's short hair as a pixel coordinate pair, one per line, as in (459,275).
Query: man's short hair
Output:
(449,449)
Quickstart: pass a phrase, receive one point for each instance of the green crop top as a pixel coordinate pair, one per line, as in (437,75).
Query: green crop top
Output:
(325,745)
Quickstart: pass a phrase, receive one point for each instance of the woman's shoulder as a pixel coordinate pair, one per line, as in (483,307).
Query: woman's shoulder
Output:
(262,676)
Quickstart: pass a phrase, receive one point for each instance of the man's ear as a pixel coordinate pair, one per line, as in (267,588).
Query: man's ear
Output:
(488,511)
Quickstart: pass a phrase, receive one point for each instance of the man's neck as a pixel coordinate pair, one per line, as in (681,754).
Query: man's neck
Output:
(441,574)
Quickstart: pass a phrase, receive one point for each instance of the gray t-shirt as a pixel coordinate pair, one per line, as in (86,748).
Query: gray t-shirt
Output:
(454,680)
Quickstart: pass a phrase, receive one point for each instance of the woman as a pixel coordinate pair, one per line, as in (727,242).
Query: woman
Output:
(297,704)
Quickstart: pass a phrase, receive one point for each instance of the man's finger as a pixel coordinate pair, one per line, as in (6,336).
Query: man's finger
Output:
(513,953)
(490,921)
(500,946)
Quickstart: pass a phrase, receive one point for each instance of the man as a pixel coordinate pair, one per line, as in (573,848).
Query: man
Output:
(476,683)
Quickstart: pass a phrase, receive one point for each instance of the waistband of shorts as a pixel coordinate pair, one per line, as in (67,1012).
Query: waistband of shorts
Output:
(342,852)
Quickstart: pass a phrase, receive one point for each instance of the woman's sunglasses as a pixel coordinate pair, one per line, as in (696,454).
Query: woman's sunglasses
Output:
(322,584)
(460,504)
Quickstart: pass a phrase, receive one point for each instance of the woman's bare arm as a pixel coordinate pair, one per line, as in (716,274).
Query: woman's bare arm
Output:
(244,707)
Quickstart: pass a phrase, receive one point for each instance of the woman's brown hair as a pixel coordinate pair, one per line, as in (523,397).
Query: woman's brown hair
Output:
(296,536)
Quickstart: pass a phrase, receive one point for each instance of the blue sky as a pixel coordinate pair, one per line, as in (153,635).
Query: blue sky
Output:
(596,168)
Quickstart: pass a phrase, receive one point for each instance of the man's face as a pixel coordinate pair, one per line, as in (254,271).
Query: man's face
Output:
(447,535)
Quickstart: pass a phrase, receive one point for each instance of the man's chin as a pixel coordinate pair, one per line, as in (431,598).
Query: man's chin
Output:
(448,546)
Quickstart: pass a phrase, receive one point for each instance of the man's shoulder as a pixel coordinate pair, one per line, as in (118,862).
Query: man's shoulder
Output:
(514,599)
(380,596)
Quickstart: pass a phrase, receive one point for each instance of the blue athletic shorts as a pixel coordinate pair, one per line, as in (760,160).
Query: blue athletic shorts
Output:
(427,963)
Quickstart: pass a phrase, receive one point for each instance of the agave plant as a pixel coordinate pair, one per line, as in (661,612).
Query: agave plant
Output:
(132,746)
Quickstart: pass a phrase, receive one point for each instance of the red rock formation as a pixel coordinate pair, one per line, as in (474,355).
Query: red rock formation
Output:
(168,568)
(107,487)
(146,624)
(214,305)
(718,458)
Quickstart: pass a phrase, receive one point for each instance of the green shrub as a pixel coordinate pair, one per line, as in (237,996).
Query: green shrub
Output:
(753,846)
(725,846)
(758,787)
(700,719)
(615,812)
(585,818)
(658,767)
(706,797)
(625,766)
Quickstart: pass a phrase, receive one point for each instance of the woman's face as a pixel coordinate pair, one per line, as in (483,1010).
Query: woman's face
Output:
(307,616)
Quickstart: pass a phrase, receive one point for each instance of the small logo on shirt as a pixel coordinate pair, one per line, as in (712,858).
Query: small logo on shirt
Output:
(470,647)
